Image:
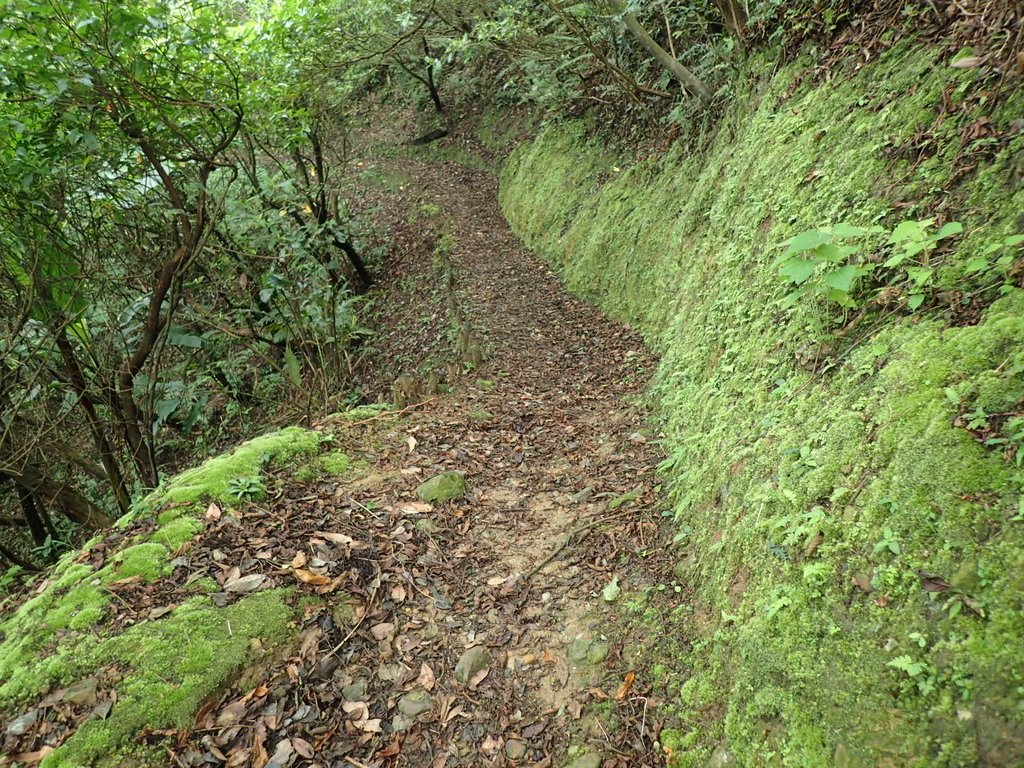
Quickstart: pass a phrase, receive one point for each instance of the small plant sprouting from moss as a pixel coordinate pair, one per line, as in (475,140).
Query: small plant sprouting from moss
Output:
(247,488)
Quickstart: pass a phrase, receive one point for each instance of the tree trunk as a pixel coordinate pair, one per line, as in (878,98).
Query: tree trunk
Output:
(32,517)
(689,80)
(99,435)
(431,86)
(69,501)
(735,17)
(15,559)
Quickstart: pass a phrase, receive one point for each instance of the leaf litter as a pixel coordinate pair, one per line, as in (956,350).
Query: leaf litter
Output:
(393,591)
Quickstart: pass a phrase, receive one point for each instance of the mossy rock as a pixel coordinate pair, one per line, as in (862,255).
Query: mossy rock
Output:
(447,486)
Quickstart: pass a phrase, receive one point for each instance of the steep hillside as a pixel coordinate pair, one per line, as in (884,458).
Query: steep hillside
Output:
(846,481)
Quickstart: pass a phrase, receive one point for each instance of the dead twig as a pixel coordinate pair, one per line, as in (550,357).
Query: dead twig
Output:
(568,538)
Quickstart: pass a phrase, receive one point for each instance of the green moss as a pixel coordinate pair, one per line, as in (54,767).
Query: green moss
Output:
(177,532)
(147,561)
(211,479)
(765,457)
(71,603)
(176,665)
(335,463)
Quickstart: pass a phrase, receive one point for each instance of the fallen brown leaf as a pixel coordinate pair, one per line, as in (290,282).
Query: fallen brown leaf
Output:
(302,747)
(427,679)
(627,684)
(31,758)
(308,577)
(213,512)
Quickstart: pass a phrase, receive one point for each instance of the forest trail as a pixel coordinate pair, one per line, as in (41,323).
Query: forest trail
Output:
(486,629)
(562,491)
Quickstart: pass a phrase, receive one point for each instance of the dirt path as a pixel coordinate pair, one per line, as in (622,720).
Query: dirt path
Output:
(559,466)
(473,631)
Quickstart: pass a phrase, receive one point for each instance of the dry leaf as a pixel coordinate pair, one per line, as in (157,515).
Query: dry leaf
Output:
(204,710)
(303,747)
(416,508)
(427,678)
(238,758)
(283,753)
(232,713)
(393,749)
(362,719)
(478,678)
(327,589)
(102,710)
(256,693)
(814,543)
(245,583)
(335,538)
(156,613)
(259,741)
(31,758)
(534,729)
(968,62)
(398,593)
(932,583)
(627,684)
(213,512)
(308,577)
(299,561)
(411,442)
(383,631)
(358,708)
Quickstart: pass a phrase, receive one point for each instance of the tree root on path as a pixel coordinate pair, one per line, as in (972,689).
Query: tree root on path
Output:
(568,538)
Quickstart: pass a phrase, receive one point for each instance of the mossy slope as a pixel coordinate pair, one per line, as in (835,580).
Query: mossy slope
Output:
(161,670)
(814,506)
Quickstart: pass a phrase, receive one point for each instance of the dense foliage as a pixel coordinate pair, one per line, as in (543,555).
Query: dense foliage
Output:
(175,262)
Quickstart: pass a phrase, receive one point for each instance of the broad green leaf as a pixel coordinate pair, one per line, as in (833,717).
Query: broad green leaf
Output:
(950,229)
(842,298)
(848,230)
(920,275)
(177,337)
(798,270)
(896,259)
(915,301)
(833,252)
(842,278)
(805,241)
(977,264)
(909,230)
(612,590)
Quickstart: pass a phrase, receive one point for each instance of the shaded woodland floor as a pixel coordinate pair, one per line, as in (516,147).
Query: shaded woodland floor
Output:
(484,630)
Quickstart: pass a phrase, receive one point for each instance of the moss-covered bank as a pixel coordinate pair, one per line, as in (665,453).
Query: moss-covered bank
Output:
(158,671)
(857,553)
